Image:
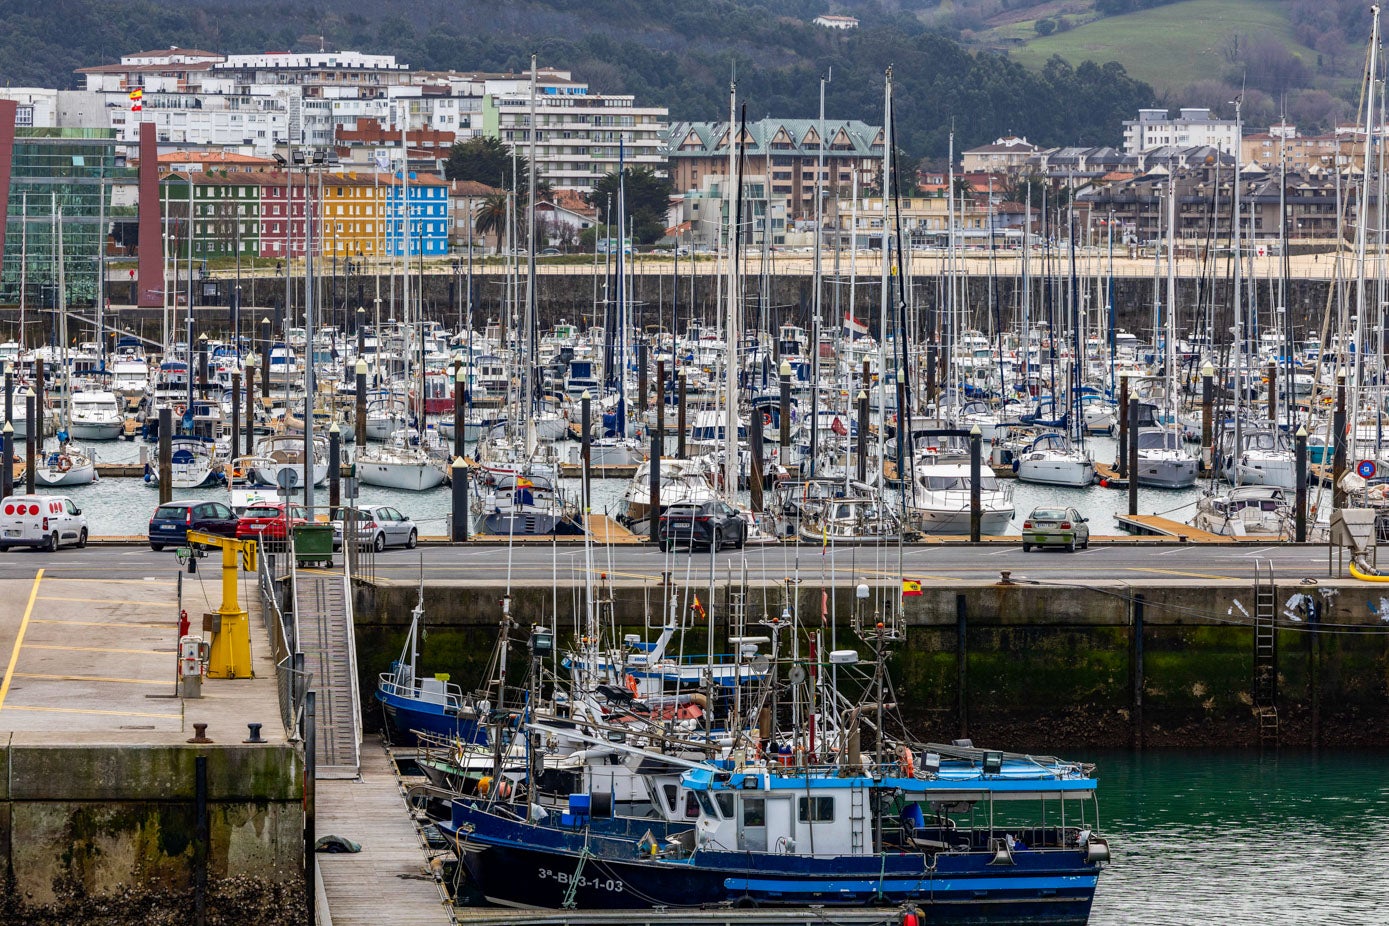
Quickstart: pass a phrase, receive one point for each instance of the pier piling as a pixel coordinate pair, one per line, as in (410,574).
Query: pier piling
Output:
(976,438)
(334,468)
(1207,414)
(459,424)
(755,476)
(586,441)
(361,415)
(1124,426)
(250,405)
(1338,429)
(1300,513)
(7,460)
(37,424)
(679,419)
(1133,455)
(236,411)
(458,479)
(166,472)
(30,399)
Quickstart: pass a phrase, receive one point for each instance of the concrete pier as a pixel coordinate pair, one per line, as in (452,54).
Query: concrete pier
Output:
(103,799)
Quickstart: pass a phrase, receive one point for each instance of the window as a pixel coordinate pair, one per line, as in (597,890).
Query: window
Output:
(725,800)
(815,809)
(754,811)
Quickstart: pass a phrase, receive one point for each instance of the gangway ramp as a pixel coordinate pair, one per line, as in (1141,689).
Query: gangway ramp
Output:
(323,616)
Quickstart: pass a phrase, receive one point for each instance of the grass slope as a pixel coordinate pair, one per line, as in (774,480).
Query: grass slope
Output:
(1165,46)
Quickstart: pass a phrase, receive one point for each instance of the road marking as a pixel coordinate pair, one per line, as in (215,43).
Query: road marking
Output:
(1194,575)
(95,649)
(149,604)
(141,625)
(78,710)
(19,639)
(89,678)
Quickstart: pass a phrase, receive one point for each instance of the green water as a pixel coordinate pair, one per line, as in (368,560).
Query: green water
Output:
(1235,838)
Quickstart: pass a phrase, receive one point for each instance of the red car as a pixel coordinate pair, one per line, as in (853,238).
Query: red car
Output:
(269,522)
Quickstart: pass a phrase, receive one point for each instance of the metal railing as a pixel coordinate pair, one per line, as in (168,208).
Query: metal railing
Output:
(291,680)
(359,560)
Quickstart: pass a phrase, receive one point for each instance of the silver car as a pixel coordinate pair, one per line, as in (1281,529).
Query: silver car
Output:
(378,527)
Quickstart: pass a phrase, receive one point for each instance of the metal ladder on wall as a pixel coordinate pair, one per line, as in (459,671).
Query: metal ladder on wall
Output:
(1265,653)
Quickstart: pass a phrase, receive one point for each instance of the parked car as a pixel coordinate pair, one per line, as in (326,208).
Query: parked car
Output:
(172,521)
(711,524)
(378,527)
(269,521)
(43,521)
(1055,527)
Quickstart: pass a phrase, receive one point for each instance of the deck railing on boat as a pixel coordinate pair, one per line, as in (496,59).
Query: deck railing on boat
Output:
(274,564)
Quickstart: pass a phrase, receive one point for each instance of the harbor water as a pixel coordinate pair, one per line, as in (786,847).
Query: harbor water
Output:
(1240,839)
(122,506)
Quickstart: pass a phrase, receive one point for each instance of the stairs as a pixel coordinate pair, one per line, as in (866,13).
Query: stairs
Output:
(323,613)
(1265,654)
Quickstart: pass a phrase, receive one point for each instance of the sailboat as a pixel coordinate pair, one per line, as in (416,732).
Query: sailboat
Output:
(67,464)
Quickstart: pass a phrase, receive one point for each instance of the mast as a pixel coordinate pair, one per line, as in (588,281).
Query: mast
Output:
(818,284)
(1239,310)
(532,321)
(62,306)
(733,325)
(101,267)
(885,293)
(24,266)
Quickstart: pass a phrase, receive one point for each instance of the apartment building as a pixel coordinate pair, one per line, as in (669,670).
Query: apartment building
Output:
(788,150)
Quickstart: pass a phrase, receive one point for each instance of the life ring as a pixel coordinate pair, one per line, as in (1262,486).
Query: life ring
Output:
(632,683)
(767,419)
(64,464)
(180,408)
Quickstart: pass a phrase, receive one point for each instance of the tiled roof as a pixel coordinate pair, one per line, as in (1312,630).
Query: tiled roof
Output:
(701,139)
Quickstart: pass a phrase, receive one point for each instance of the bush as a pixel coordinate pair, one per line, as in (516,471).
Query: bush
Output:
(1045,26)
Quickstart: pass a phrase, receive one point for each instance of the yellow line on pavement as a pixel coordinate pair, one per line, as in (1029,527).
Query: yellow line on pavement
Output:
(99,649)
(78,710)
(149,604)
(88,678)
(142,625)
(19,639)
(1193,575)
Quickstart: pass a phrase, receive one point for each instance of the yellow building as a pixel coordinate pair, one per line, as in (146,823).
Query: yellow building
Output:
(354,214)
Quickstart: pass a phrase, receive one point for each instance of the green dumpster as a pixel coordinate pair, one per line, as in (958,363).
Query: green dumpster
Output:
(313,544)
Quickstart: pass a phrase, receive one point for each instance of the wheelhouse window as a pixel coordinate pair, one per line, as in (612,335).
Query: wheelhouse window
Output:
(815,809)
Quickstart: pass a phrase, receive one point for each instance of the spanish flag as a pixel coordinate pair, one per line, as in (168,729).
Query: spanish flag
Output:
(698,608)
(136,96)
(911,588)
(523,483)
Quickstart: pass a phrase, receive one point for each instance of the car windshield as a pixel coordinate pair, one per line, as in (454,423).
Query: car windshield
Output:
(170,512)
(1048,514)
(265,512)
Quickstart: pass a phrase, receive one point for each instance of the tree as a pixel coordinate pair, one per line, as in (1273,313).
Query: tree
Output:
(1038,187)
(491,217)
(488,161)
(647,199)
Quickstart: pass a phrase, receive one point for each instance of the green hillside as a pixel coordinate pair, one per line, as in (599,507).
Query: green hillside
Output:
(1166,46)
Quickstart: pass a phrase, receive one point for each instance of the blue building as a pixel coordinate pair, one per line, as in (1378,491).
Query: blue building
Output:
(426,197)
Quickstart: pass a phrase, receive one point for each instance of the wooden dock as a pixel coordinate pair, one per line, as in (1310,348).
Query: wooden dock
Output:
(576,471)
(1108,477)
(1165,527)
(390,880)
(602,528)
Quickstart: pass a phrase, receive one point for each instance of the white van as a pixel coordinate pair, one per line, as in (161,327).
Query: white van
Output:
(43,521)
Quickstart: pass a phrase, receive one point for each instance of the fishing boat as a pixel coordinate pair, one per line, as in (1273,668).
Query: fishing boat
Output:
(885,833)
(432,705)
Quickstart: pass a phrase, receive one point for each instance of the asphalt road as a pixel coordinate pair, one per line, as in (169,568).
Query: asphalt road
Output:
(533,563)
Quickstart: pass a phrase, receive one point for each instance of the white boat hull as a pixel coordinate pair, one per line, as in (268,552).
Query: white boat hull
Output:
(414,477)
(81,475)
(96,430)
(1056,472)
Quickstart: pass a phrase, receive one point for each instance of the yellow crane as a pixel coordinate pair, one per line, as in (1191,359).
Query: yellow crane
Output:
(230,656)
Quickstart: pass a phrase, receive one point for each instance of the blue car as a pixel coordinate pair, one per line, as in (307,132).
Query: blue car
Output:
(172,521)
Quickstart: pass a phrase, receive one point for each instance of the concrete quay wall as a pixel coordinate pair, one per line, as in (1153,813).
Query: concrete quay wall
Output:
(104,832)
(570,296)
(1025,666)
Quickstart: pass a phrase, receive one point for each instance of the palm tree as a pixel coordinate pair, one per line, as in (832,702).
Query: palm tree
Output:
(491,217)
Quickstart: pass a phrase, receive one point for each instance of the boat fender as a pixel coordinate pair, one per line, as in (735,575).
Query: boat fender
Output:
(909,918)
(1017,464)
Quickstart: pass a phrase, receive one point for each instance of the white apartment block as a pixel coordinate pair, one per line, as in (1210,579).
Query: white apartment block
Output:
(1193,127)
(578,133)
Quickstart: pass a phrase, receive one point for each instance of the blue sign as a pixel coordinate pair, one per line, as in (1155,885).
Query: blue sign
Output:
(1366,469)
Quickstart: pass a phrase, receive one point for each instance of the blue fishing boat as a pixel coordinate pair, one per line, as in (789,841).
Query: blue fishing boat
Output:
(968,835)
(433,705)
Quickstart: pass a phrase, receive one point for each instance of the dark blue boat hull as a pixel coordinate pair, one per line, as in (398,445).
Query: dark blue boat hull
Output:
(537,866)
(404,715)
